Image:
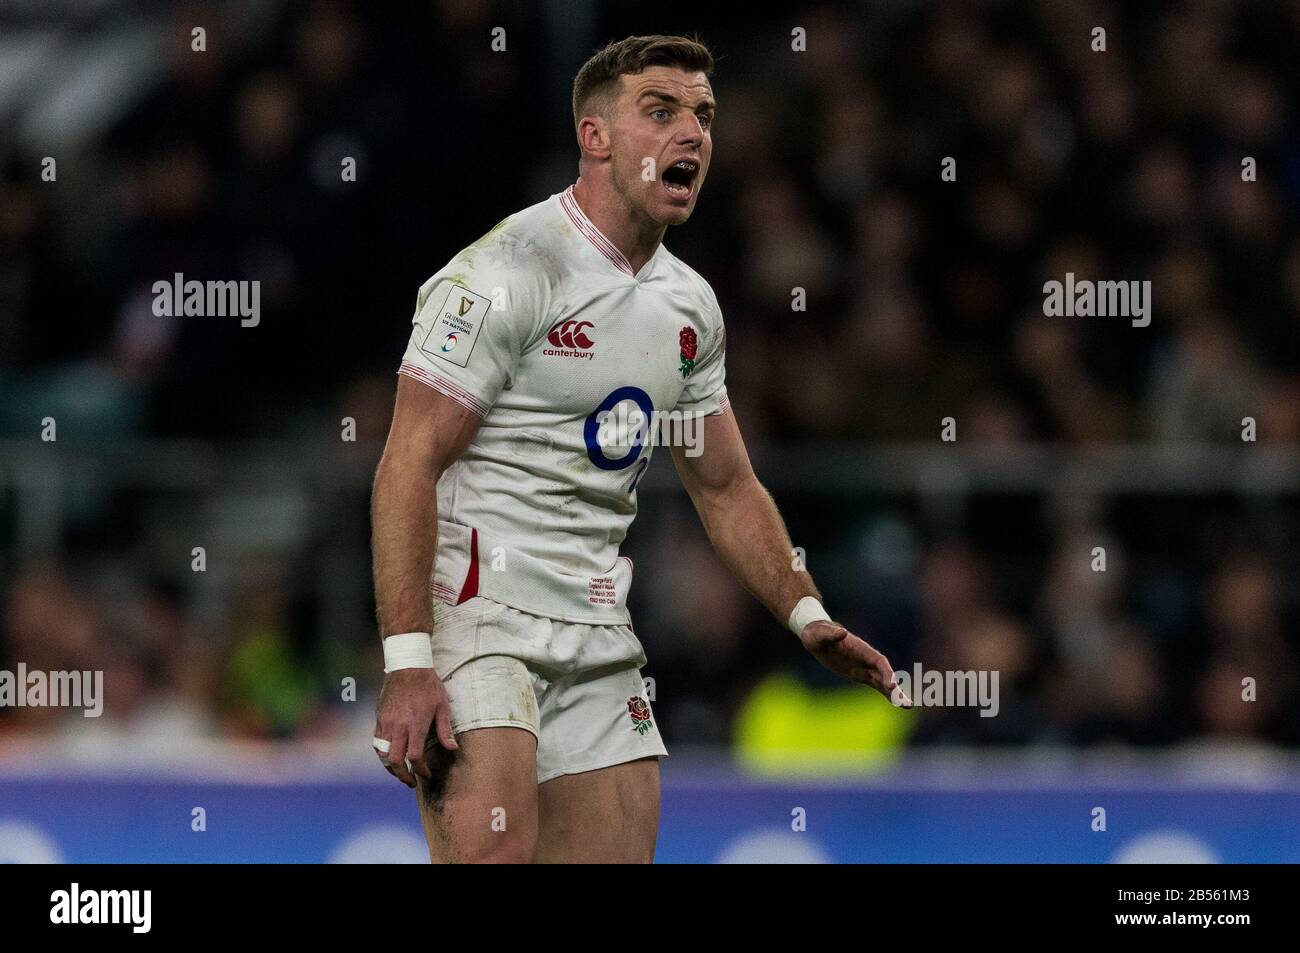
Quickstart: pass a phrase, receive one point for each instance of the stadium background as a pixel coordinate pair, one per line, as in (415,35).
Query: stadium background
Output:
(1119,689)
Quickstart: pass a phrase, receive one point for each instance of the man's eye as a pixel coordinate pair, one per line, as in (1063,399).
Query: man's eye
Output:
(659,113)
(706,122)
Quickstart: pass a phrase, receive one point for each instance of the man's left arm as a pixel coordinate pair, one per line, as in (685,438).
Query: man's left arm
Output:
(746,529)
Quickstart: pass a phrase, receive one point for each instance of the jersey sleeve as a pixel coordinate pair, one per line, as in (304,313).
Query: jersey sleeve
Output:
(706,390)
(472,321)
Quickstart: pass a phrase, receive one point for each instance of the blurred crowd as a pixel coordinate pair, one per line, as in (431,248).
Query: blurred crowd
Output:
(923,301)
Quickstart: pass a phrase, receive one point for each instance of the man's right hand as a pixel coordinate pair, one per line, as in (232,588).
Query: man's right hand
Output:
(411,701)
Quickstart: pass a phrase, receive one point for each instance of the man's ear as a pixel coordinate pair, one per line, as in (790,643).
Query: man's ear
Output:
(593,136)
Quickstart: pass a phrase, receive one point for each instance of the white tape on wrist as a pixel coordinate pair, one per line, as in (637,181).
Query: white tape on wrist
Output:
(806,610)
(408,650)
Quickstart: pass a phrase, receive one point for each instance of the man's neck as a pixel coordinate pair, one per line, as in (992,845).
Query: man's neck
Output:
(637,239)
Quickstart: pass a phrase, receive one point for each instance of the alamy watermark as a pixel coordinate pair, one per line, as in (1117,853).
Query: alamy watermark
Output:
(1102,299)
(133,908)
(625,426)
(36,689)
(212,299)
(950,689)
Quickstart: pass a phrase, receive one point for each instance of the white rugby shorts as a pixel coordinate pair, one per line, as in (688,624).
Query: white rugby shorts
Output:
(577,687)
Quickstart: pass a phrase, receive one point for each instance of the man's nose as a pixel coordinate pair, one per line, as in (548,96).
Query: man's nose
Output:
(690,131)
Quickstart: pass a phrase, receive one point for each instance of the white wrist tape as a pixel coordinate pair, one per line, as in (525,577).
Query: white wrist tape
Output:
(806,610)
(408,650)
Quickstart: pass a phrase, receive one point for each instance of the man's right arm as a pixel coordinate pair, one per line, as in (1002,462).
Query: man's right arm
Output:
(429,431)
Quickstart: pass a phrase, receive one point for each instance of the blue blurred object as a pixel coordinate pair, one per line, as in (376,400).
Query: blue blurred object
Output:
(709,816)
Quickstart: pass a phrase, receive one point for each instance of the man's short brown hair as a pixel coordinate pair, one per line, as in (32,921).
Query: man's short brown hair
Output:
(599,75)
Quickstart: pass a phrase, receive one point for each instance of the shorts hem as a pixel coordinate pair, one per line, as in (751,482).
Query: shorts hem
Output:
(494,723)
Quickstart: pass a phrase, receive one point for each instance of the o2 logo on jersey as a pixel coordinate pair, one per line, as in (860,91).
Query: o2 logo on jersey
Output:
(614,425)
(449,342)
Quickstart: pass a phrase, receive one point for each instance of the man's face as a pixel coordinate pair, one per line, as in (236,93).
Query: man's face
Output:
(660,141)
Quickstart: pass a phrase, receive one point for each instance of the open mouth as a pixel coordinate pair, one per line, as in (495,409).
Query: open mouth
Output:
(679,178)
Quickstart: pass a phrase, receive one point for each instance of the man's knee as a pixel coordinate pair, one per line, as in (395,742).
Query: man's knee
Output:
(482,836)
(503,848)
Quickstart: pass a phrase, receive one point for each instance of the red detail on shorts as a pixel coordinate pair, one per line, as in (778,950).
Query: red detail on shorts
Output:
(470,589)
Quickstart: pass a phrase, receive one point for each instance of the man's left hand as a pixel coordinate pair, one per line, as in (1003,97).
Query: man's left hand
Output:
(851,657)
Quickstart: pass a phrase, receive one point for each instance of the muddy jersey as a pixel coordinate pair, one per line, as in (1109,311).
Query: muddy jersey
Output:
(542,329)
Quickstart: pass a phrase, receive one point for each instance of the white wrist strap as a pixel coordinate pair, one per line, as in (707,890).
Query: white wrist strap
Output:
(806,610)
(408,650)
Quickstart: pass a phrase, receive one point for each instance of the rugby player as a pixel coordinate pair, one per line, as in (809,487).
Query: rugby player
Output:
(513,696)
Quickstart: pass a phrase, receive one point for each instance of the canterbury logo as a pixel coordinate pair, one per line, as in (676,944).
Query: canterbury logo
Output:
(465,305)
(570,334)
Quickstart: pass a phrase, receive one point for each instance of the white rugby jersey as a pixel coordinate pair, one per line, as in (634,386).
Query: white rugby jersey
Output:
(541,328)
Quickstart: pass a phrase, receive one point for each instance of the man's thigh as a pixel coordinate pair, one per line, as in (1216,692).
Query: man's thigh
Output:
(481,806)
(606,816)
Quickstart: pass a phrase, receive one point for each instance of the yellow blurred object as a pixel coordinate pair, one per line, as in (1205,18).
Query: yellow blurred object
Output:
(785,727)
